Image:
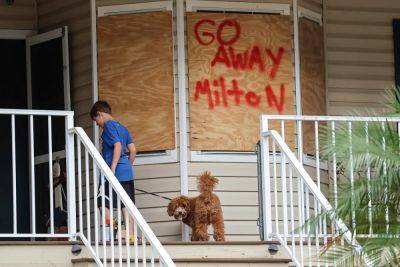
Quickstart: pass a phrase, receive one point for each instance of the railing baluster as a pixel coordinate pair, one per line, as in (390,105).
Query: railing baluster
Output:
(14,175)
(87,187)
(152,257)
(351,174)
(386,179)
(111,205)
(284,189)
(119,230)
(32,171)
(318,168)
(51,188)
(370,231)
(275,188)
(317,212)
(307,197)
(78,150)
(300,208)
(292,208)
(335,182)
(103,218)
(144,250)
(127,240)
(284,196)
(95,208)
(135,244)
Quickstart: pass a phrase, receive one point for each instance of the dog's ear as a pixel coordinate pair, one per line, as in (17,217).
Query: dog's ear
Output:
(171,208)
(185,203)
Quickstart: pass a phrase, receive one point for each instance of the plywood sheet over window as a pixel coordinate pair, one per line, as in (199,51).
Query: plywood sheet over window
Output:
(240,66)
(312,62)
(135,61)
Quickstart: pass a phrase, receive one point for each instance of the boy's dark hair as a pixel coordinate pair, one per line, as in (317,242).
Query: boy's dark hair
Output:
(100,106)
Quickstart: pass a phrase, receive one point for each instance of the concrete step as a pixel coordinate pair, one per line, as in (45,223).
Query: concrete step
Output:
(217,262)
(192,254)
(185,254)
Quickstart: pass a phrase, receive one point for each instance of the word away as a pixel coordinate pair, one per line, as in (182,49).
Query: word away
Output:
(249,59)
(227,55)
(220,95)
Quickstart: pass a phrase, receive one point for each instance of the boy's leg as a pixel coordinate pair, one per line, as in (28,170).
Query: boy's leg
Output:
(130,190)
(107,203)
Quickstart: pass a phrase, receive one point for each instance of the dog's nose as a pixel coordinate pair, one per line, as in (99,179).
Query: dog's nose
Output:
(180,212)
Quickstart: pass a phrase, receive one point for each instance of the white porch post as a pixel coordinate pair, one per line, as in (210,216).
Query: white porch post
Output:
(70,166)
(180,24)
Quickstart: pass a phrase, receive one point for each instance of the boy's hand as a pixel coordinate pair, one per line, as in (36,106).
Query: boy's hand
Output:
(116,156)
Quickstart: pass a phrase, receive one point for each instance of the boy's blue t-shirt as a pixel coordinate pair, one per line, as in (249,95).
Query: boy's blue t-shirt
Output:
(115,132)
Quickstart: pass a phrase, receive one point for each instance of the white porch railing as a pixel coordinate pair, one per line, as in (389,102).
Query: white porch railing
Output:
(23,124)
(87,175)
(290,195)
(151,248)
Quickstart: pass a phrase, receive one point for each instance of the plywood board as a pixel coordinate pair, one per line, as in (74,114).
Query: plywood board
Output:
(240,66)
(312,73)
(135,56)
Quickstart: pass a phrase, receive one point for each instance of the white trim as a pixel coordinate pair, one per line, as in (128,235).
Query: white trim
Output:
(270,8)
(36,112)
(67,88)
(297,57)
(330,118)
(16,34)
(311,15)
(95,86)
(325,56)
(222,156)
(45,157)
(169,156)
(134,8)
(43,37)
(243,157)
(183,136)
(28,75)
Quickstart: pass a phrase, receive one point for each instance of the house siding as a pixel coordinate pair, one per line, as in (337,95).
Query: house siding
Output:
(75,14)
(19,16)
(360,54)
(237,188)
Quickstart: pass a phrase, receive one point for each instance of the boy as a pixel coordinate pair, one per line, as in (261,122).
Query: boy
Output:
(115,140)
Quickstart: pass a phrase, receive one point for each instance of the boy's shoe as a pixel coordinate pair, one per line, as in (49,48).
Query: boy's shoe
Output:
(132,239)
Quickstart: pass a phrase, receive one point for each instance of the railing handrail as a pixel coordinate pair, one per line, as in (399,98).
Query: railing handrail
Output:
(130,206)
(36,112)
(314,189)
(331,118)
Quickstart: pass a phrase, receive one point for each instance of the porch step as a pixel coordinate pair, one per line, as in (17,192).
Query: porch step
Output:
(192,254)
(184,254)
(220,262)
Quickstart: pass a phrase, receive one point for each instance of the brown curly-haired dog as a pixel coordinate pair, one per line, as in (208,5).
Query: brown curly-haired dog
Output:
(201,211)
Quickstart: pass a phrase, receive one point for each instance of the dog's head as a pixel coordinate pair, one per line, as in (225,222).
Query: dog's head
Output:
(179,207)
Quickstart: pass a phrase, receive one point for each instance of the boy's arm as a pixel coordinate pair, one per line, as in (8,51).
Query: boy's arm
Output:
(132,152)
(116,155)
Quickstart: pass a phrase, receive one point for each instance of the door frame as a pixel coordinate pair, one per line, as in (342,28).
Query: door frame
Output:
(43,37)
(16,34)
(37,39)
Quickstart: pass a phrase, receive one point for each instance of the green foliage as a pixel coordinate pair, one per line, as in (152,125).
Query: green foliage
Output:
(375,191)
